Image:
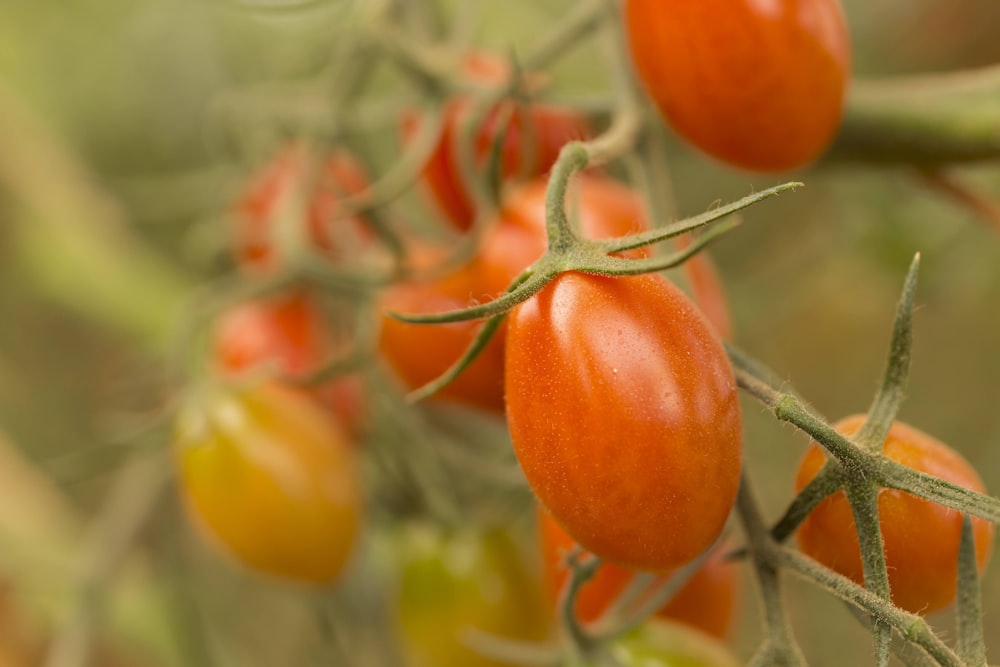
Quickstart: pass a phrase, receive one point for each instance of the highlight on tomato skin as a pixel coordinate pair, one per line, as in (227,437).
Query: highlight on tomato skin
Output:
(453,580)
(624,415)
(533,134)
(269,478)
(285,188)
(921,538)
(289,332)
(757,85)
(707,601)
(418,353)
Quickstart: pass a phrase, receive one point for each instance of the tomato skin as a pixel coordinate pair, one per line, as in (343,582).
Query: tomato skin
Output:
(603,209)
(660,643)
(624,416)
(707,601)
(270,195)
(548,126)
(758,85)
(920,537)
(268,476)
(453,580)
(289,331)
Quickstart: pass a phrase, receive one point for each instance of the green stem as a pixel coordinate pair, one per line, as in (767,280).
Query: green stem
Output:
(887,401)
(863,497)
(779,647)
(829,480)
(862,461)
(911,627)
(970,610)
(927,120)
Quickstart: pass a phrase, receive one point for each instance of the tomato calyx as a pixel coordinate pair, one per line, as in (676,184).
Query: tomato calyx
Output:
(568,252)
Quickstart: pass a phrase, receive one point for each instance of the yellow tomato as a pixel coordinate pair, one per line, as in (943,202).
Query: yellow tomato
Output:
(451,583)
(268,476)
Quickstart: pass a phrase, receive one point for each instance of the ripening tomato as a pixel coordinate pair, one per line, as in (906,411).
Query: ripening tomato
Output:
(272,196)
(624,416)
(418,353)
(921,538)
(289,332)
(266,474)
(707,601)
(759,85)
(660,643)
(532,135)
(454,581)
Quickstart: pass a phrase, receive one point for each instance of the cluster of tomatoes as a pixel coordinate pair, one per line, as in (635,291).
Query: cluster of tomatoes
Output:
(618,394)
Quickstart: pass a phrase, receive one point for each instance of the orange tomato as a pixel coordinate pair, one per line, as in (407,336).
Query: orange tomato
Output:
(624,416)
(707,600)
(758,85)
(288,331)
(532,135)
(920,537)
(270,196)
(603,209)
(267,475)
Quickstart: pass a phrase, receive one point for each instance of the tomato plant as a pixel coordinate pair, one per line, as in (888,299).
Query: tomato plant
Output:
(758,85)
(289,332)
(603,209)
(707,601)
(453,581)
(920,537)
(285,192)
(266,474)
(532,134)
(623,414)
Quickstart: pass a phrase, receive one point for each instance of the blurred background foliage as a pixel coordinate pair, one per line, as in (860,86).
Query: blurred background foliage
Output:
(149,113)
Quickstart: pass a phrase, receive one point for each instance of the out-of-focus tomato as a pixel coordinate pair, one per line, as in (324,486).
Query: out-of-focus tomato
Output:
(707,601)
(16,648)
(268,475)
(532,134)
(706,289)
(453,581)
(920,537)
(288,331)
(602,208)
(286,188)
(660,643)
(759,85)
(624,416)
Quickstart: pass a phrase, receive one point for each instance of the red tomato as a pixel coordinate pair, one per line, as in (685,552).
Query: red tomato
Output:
(546,127)
(920,537)
(758,84)
(420,353)
(450,582)
(289,332)
(624,416)
(269,477)
(269,198)
(707,601)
